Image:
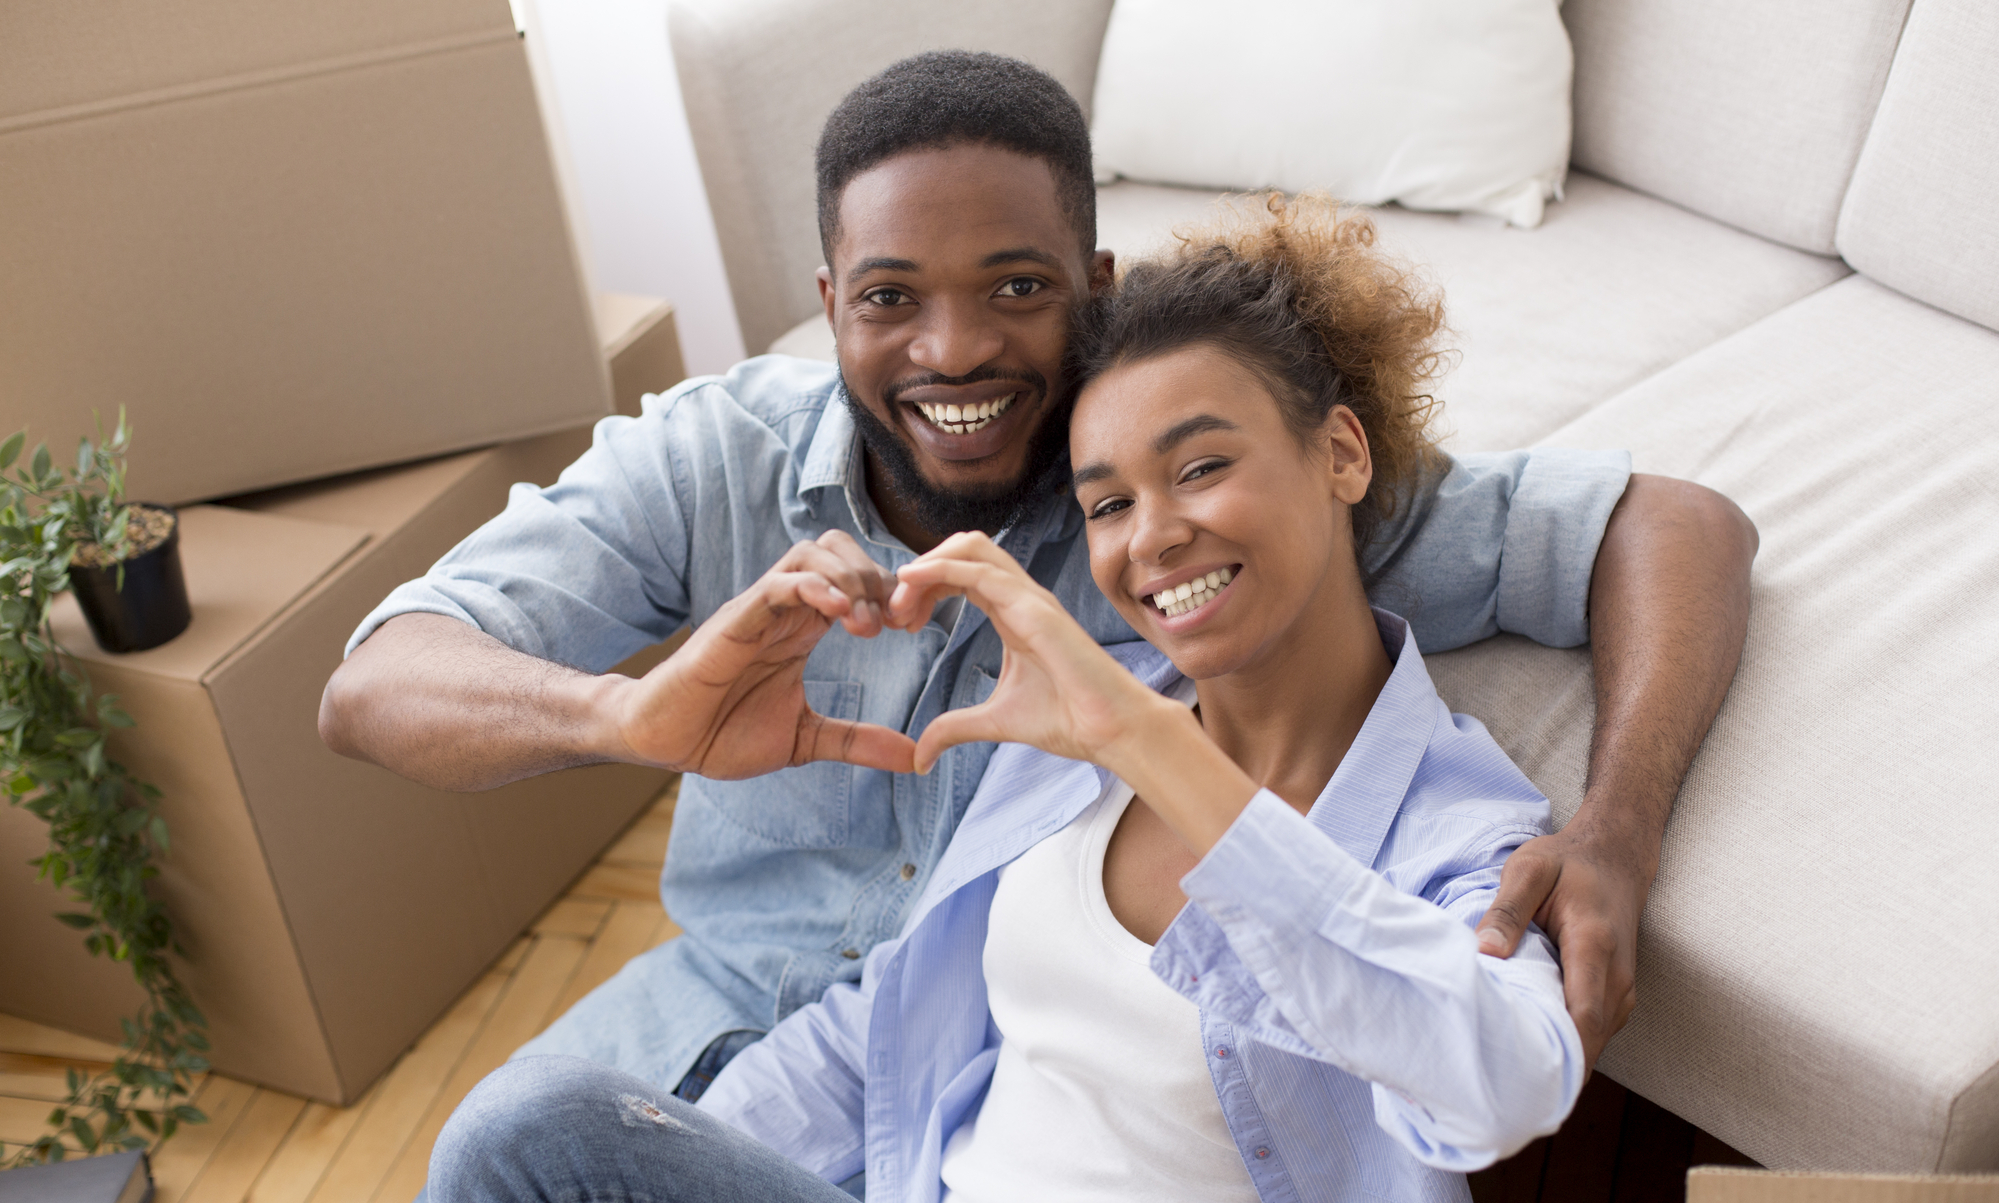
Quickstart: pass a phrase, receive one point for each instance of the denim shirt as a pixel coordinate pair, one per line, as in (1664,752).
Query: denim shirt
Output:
(1358,1041)
(783,883)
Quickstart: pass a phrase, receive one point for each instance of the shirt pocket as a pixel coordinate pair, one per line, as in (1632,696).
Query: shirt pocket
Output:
(810,806)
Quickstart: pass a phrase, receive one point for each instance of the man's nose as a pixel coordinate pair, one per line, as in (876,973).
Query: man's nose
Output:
(955,338)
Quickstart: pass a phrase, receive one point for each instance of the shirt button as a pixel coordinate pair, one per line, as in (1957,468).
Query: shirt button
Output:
(908,871)
(852,954)
(1262,1153)
(1222,1051)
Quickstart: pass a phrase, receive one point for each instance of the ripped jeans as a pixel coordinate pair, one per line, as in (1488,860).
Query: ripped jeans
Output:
(569,1130)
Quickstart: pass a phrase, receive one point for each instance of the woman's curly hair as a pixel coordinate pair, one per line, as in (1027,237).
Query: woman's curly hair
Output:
(1295,290)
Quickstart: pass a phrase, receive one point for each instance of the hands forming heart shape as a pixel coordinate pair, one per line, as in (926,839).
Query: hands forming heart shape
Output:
(731,703)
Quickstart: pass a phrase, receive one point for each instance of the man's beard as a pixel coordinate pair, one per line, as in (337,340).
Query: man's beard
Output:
(991,509)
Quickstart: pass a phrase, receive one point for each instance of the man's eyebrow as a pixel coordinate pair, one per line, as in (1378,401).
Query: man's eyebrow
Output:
(1089,472)
(1020,254)
(880,264)
(1182,431)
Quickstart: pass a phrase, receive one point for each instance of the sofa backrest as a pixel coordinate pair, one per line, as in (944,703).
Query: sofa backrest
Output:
(1751,112)
(1920,216)
(759,77)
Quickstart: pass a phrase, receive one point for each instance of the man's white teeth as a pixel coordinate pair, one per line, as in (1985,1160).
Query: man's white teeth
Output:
(964,419)
(1192,595)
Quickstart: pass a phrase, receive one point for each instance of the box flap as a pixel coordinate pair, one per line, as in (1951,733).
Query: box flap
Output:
(242,570)
(87,52)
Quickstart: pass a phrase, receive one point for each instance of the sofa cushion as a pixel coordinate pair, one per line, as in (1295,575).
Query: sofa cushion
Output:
(1613,287)
(1817,966)
(1920,214)
(1439,104)
(1750,111)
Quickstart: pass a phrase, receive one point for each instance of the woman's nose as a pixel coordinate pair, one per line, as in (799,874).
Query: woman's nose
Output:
(1157,533)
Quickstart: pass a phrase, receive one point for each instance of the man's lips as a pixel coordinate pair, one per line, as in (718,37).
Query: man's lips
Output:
(965,422)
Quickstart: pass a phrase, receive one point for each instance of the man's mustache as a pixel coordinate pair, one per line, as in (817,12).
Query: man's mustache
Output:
(1028,376)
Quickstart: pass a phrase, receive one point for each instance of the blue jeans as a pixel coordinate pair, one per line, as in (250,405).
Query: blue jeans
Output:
(566,1130)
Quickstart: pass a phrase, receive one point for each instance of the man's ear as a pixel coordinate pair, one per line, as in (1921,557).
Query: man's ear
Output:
(1103,272)
(825,277)
(1350,466)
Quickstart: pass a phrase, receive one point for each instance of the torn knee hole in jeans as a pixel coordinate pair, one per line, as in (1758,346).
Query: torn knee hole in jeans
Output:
(636,1111)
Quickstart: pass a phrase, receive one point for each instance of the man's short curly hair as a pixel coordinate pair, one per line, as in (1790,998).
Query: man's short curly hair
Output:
(947,98)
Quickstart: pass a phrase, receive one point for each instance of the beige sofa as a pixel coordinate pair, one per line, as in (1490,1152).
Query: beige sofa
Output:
(1776,272)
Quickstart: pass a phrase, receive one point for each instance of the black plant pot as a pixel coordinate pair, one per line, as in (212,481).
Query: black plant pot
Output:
(151,608)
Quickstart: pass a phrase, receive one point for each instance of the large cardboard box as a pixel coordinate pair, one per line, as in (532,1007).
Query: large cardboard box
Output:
(294,239)
(330,910)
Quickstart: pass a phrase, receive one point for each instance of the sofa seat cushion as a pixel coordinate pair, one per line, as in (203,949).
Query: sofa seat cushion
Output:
(1613,287)
(1818,968)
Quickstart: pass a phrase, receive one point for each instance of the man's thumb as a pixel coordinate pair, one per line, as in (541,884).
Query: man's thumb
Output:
(1524,884)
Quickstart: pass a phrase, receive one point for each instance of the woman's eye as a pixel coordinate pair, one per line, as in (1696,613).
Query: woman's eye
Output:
(1022,287)
(1106,508)
(886,296)
(1204,467)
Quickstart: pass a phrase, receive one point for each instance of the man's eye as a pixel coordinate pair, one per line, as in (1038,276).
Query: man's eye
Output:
(1106,508)
(1022,287)
(887,296)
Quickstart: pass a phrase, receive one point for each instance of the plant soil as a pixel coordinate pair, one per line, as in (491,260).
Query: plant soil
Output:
(146,529)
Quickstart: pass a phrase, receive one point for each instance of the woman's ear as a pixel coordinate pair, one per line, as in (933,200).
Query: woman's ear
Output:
(1350,466)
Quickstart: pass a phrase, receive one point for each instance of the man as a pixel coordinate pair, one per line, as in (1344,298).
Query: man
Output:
(770,506)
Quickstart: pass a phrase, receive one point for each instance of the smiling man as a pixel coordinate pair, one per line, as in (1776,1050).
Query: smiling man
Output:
(771,505)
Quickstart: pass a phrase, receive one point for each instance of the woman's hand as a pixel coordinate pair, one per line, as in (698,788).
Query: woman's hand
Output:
(1057,690)
(731,703)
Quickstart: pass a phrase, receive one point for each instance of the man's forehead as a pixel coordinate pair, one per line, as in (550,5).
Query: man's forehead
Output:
(953,208)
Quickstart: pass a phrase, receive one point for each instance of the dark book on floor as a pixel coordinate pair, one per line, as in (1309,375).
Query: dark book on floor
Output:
(114,1178)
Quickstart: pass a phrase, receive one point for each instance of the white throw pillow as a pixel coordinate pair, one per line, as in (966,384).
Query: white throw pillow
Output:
(1438,104)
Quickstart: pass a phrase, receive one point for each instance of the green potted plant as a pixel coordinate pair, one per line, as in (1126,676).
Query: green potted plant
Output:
(104,825)
(125,557)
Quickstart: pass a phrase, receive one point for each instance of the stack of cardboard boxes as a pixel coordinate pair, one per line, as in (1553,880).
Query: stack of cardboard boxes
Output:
(320,255)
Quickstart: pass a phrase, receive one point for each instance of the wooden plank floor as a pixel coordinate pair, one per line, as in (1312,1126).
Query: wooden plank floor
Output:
(264,1146)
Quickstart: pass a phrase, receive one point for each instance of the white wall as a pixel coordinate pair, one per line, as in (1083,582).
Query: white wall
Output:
(633,183)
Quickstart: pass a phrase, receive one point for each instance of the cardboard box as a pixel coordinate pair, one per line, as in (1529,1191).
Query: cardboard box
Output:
(641,344)
(330,910)
(294,240)
(1716,1184)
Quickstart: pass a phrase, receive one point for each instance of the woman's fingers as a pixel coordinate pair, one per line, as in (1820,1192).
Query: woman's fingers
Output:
(973,724)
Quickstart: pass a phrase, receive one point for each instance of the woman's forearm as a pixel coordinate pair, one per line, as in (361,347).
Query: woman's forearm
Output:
(1172,765)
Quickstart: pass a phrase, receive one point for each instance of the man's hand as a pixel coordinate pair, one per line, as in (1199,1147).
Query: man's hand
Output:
(1589,904)
(731,703)
(443,703)
(1669,610)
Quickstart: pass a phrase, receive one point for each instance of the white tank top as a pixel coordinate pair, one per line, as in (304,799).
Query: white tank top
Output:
(1101,1091)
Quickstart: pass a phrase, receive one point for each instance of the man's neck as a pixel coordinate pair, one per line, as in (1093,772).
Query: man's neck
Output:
(897,514)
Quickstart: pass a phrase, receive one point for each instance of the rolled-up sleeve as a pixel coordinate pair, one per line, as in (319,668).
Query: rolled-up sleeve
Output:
(1499,542)
(1312,952)
(586,571)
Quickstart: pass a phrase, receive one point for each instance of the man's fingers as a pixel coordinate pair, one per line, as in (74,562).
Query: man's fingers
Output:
(839,559)
(1586,964)
(866,744)
(1524,884)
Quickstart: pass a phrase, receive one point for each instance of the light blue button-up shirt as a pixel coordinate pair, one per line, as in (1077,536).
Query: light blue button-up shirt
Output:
(1359,1043)
(782,883)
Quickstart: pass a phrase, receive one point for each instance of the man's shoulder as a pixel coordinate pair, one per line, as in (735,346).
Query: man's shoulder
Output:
(779,392)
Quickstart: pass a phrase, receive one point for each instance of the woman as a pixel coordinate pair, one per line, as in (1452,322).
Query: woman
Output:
(1205,931)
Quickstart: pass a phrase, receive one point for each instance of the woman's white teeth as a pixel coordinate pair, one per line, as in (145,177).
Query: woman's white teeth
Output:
(1192,595)
(964,419)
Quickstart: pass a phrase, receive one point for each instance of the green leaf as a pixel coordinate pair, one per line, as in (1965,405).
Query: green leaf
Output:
(83,458)
(77,737)
(11,449)
(85,1134)
(159,826)
(40,465)
(78,921)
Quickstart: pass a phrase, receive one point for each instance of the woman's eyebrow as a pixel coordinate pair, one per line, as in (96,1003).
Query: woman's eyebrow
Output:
(1180,432)
(1089,472)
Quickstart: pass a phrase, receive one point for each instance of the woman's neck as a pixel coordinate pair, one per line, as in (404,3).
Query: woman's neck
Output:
(1289,716)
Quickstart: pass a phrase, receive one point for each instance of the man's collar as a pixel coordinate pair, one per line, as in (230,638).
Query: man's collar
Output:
(831,461)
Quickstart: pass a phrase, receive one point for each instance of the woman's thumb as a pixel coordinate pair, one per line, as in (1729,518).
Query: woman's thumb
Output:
(973,724)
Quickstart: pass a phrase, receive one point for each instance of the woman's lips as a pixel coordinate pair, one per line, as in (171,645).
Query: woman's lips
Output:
(1189,596)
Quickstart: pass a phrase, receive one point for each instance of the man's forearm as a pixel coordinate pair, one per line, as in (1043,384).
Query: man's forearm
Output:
(443,703)
(1669,609)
